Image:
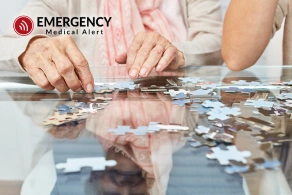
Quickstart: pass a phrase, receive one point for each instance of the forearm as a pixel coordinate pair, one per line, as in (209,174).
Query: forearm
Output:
(247,30)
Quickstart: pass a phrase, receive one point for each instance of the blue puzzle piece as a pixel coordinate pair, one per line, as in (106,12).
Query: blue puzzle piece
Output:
(273,164)
(199,108)
(236,169)
(181,102)
(181,96)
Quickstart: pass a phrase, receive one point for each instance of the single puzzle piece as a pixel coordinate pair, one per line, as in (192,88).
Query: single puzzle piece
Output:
(173,93)
(151,128)
(202,130)
(200,141)
(64,109)
(190,80)
(74,165)
(94,100)
(231,90)
(270,111)
(181,96)
(199,108)
(284,96)
(212,104)
(219,137)
(156,126)
(101,89)
(181,102)
(154,88)
(201,92)
(236,169)
(122,85)
(258,103)
(224,156)
(272,164)
(243,82)
(209,86)
(91,108)
(275,138)
(223,113)
(236,127)
(287,83)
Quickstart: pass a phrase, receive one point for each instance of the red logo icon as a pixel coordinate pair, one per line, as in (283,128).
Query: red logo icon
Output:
(23,25)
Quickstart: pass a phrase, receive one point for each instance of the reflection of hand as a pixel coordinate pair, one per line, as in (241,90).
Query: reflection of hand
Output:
(57,63)
(149,50)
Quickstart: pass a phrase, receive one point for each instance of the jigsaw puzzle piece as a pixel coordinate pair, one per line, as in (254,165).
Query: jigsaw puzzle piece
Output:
(258,103)
(73,165)
(202,92)
(202,130)
(181,102)
(273,164)
(224,156)
(236,169)
(199,108)
(190,80)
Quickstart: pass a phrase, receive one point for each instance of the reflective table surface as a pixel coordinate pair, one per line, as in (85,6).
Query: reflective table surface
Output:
(157,163)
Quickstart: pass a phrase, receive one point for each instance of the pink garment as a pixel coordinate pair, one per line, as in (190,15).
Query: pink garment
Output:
(129,17)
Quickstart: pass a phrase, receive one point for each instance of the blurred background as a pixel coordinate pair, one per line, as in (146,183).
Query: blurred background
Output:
(272,55)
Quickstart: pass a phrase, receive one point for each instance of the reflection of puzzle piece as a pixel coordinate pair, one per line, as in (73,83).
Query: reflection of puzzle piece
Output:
(243,82)
(223,156)
(100,98)
(202,130)
(284,96)
(236,169)
(190,80)
(231,89)
(201,92)
(270,111)
(199,108)
(212,104)
(222,113)
(275,138)
(181,102)
(258,103)
(75,164)
(59,119)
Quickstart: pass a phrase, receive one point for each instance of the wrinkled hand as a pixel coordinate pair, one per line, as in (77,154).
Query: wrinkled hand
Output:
(57,63)
(149,50)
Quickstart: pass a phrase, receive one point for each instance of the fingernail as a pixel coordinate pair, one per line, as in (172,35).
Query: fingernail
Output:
(89,87)
(133,73)
(159,68)
(143,72)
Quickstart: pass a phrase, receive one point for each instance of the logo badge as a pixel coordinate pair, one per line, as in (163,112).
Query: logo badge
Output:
(23,25)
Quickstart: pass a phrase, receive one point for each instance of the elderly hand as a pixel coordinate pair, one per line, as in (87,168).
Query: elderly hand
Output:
(149,50)
(57,63)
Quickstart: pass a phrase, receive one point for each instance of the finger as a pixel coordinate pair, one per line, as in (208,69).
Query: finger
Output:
(66,69)
(122,58)
(178,62)
(143,54)
(81,66)
(132,52)
(169,54)
(53,75)
(39,78)
(152,60)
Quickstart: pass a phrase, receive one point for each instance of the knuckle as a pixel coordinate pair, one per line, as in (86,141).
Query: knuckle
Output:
(82,62)
(158,50)
(56,80)
(65,69)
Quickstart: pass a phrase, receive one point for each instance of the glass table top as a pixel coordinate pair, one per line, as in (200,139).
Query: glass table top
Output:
(161,162)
